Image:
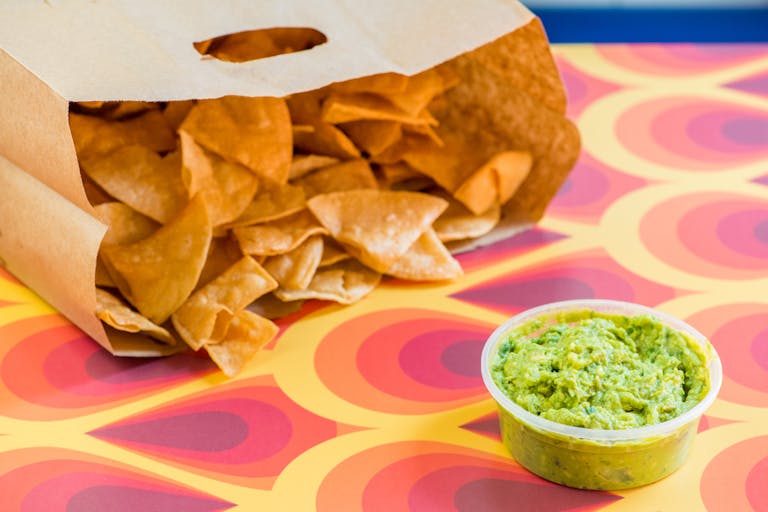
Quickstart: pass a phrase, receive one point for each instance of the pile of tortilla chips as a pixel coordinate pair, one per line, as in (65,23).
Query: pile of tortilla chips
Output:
(226,213)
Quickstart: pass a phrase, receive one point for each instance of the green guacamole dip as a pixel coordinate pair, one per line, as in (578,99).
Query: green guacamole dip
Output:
(601,371)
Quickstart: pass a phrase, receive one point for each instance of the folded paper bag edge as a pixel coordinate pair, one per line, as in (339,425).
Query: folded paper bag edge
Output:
(152,57)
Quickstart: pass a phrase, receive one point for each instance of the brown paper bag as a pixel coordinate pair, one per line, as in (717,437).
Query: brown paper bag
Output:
(53,53)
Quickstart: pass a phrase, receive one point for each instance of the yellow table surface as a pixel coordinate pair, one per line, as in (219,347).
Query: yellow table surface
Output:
(380,405)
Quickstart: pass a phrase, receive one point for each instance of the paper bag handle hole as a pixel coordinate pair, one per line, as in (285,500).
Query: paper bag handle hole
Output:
(260,44)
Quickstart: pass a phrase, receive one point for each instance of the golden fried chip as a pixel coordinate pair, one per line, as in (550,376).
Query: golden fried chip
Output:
(380,224)
(138,177)
(350,175)
(495,182)
(255,132)
(426,260)
(373,137)
(423,87)
(384,84)
(458,223)
(269,306)
(273,201)
(158,273)
(96,136)
(305,107)
(247,334)
(176,111)
(94,193)
(222,254)
(279,236)
(124,109)
(343,108)
(304,164)
(125,225)
(206,315)
(324,139)
(112,311)
(333,252)
(345,282)
(227,187)
(295,269)
(402,177)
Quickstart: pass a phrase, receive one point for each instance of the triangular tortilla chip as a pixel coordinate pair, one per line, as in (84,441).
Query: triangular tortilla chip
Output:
(324,139)
(138,177)
(426,260)
(295,269)
(255,132)
(270,203)
(345,282)
(304,164)
(380,224)
(343,108)
(495,182)
(95,136)
(206,315)
(373,137)
(125,225)
(227,187)
(279,236)
(112,311)
(458,223)
(158,273)
(350,175)
(247,333)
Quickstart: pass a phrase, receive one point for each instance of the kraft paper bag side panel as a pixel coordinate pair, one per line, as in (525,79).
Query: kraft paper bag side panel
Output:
(34,131)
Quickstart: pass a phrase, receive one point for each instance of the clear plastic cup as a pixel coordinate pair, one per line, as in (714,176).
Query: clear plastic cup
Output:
(588,458)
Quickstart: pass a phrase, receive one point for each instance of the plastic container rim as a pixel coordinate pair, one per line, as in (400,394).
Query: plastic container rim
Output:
(591,434)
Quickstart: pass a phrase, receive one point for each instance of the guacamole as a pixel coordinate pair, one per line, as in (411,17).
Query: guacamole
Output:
(594,370)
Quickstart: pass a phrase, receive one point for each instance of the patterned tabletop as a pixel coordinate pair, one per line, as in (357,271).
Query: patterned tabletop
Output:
(380,405)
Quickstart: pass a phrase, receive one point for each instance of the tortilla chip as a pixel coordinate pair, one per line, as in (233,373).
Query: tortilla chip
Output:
(254,132)
(304,164)
(458,223)
(260,43)
(96,136)
(423,87)
(350,175)
(158,273)
(373,137)
(343,108)
(269,306)
(222,254)
(93,192)
(426,260)
(206,315)
(401,176)
(138,177)
(384,84)
(112,311)
(279,236)
(495,182)
(125,109)
(272,202)
(176,111)
(247,334)
(345,282)
(324,139)
(125,225)
(380,224)
(295,269)
(333,252)
(227,188)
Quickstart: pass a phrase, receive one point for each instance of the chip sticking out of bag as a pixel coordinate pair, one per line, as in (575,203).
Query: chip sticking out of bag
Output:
(113,312)
(247,333)
(379,224)
(158,273)
(206,315)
